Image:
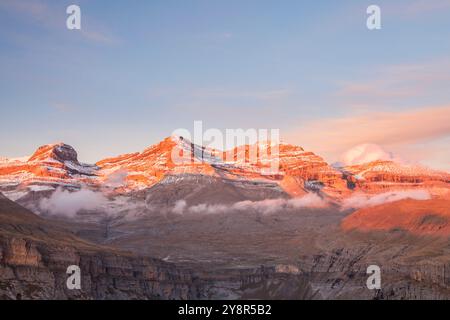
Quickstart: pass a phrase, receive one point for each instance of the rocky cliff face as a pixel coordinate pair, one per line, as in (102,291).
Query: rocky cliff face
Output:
(31,270)
(341,274)
(37,271)
(305,257)
(35,255)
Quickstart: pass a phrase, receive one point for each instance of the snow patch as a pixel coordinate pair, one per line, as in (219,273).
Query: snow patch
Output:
(37,188)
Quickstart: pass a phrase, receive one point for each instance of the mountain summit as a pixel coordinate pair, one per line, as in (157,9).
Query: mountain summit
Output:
(300,172)
(60,152)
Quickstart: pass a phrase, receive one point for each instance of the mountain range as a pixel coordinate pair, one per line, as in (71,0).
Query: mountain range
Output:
(58,165)
(311,224)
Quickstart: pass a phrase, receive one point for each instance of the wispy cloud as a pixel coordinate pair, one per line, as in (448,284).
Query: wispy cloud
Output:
(37,10)
(200,100)
(227,35)
(207,93)
(396,83)
(263,95)
(99,37)
(53,16)
(214,37)
(332,136)
(61,107)
(418,8)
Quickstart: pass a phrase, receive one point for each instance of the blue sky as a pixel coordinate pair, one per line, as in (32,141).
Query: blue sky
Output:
(139,70)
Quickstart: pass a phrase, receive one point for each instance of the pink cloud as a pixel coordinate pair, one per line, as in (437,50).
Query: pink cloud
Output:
(331,137)
(364,153)
(397,82)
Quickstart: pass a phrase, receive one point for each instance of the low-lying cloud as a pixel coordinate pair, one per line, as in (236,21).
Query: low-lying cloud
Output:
(362,201)
(117,179)
(267,206)
(179,207)
(68,204)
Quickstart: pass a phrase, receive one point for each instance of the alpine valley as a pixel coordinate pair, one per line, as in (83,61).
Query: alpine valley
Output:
(142,226)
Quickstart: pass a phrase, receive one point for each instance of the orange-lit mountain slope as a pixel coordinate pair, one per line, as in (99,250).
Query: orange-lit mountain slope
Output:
(54,166)
(426,217)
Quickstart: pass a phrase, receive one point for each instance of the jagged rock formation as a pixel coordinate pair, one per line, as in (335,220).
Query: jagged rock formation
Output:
(57,152)
(50,167)
(35,254)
